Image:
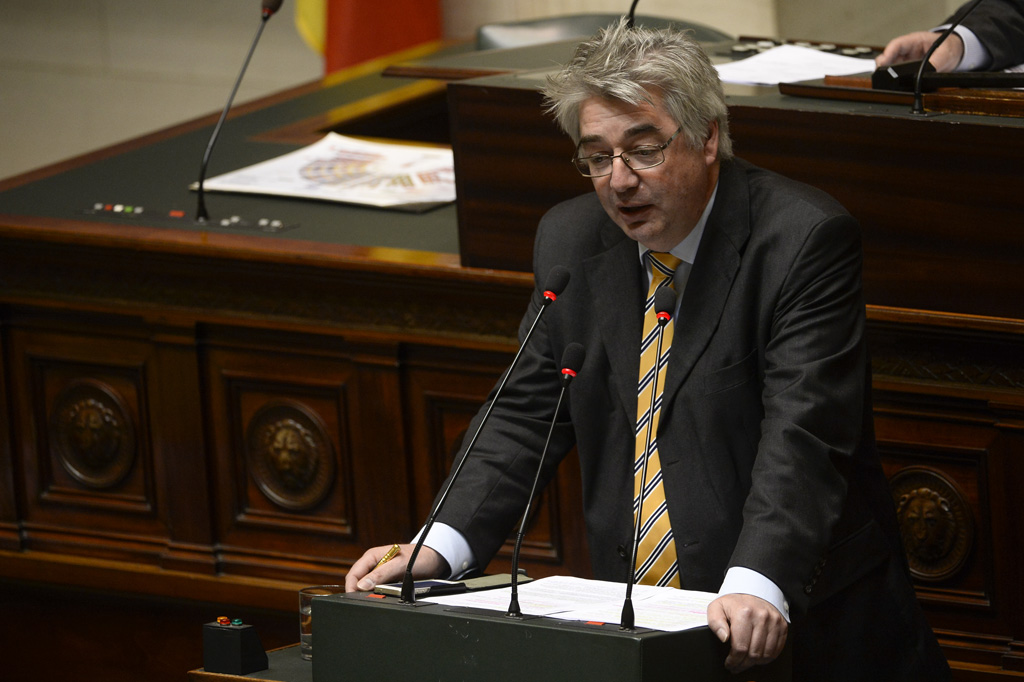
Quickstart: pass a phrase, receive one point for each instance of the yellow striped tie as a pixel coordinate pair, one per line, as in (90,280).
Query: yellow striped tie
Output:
(656,562)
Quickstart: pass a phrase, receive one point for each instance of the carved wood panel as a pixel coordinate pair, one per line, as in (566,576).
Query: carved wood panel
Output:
(82,409)
(949,416)
(940,492)
(297,472)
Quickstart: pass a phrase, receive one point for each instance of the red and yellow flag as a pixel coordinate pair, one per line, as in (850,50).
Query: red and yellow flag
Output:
(347,32)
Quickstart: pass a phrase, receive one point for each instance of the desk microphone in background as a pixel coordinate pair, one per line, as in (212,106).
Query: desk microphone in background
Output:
(558,279)
(572,360)
(630,20)
(918,107)
(664,306)
(268,10)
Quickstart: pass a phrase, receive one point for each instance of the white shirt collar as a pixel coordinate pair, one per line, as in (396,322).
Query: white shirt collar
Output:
(686,250)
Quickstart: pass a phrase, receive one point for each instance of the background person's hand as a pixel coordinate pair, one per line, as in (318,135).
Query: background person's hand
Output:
(913,46)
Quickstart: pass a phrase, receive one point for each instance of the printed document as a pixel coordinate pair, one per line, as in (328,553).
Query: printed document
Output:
(345,169)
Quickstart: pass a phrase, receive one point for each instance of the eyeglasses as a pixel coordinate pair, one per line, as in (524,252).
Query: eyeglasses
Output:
(644,156)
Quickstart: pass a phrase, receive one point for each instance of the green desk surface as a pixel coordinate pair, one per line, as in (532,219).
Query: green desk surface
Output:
(154,172)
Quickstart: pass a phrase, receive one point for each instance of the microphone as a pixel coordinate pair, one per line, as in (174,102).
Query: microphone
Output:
(269,7)
(664,306)
(918,106)
(558,279)
(572,360)
(632,14)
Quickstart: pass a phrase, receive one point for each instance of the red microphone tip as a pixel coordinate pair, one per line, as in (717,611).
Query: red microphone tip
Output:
(569,372)
(664,316)
(550,295)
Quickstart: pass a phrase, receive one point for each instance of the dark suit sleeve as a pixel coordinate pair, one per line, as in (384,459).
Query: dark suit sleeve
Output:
(813,398)
(999,25)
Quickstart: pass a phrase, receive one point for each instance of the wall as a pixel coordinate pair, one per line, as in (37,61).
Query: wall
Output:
(868,21)
(738,17)
(78,75)
(864,21)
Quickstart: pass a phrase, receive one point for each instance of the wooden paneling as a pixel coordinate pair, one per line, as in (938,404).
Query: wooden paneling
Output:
(280,418)
(276,449)
(9,514)
(934,196)
(512,164)
(949,415)
(93,477)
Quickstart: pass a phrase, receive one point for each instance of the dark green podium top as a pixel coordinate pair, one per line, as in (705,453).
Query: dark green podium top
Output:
(148,178)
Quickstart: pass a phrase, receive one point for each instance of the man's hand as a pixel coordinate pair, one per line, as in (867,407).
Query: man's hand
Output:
(363,577)
(913,46)
(755,630)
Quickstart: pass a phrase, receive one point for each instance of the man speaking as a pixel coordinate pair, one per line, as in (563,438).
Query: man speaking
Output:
(762,481)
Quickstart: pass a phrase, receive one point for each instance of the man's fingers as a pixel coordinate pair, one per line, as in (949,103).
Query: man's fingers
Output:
(742,640)
(718,622)
(391,572)
(775,642)
(906,48)
(365,574)
(755,630)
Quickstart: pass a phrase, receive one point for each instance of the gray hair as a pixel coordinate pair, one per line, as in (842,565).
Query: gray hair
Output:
(629,64)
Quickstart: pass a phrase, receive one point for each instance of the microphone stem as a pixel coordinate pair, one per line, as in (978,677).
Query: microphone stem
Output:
(513,607)
(632,14)
(626,621)
(918,106)
(201,215)
(408,589)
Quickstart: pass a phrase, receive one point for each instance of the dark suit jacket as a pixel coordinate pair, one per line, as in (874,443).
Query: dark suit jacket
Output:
(765,435)
(999,25)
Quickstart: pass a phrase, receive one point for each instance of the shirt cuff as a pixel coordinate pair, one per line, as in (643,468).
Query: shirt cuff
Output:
(976,56)
(742,580)
(451,545)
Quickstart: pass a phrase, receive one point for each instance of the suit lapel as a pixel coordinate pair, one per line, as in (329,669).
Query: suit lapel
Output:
(615,281)
(707,290)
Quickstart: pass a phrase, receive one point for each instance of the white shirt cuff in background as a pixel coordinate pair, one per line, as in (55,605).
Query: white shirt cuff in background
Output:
(976,56)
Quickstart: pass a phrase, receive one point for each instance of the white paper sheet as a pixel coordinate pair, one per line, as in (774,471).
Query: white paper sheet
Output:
(791,64)
(656,608)
(345,169)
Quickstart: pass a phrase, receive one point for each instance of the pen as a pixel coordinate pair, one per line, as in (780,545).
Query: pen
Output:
(388,556)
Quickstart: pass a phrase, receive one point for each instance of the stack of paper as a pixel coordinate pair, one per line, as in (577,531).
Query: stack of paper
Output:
(655,608)
(791,64)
